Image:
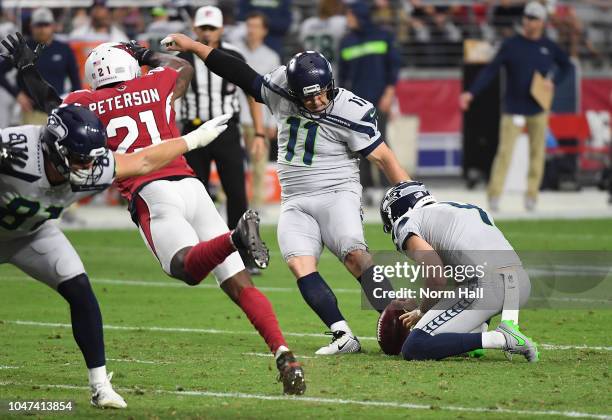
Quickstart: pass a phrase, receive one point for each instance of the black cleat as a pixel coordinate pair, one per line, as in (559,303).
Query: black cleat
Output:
(290,372)
(246,237)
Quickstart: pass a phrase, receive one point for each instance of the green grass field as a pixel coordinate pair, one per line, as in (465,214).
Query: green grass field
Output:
(181,352)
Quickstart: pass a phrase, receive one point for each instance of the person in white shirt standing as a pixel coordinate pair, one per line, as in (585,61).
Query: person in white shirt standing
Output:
(324,32)
(263,59)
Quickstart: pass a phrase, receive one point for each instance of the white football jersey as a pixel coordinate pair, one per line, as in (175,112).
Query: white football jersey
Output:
(460,233)
(324,36)
(319,155)
(27,199)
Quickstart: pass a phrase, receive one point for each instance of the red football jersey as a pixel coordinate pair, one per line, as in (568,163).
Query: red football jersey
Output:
(137,113)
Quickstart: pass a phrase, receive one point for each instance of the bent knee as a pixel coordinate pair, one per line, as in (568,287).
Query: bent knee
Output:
(358,260)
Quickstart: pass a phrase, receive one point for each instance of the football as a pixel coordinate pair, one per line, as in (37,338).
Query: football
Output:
(390,332)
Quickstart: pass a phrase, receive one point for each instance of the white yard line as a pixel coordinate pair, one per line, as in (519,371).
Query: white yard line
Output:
(273,289)
(9,367)
(253,332)
(147,362)
(299,356)
(337,401)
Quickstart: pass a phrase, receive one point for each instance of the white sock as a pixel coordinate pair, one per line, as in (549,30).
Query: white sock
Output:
(341,326)
(280,350)
(97,375)
(493,340)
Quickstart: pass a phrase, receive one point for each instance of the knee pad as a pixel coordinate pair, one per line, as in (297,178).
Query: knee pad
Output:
(415,346)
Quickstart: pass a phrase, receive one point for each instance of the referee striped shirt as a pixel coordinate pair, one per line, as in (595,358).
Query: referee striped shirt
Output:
(209,95)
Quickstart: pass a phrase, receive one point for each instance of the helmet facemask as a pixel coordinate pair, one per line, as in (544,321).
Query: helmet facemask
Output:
(83,171)
(316,90)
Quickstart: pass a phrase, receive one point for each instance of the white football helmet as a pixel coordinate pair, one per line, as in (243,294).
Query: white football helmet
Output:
(110,63)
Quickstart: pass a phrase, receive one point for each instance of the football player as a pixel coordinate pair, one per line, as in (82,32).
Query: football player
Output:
(450,234)
(322,131)
(44,169)
(176,217)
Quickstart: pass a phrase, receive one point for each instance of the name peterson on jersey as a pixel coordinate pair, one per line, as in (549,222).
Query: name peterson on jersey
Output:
(136,114)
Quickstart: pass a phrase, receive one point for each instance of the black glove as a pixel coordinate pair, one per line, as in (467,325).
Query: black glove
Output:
(143,55)
(19,54)
(13,152)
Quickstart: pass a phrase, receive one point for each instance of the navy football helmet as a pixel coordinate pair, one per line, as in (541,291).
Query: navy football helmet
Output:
(405,196)
(310,74)
(73,137)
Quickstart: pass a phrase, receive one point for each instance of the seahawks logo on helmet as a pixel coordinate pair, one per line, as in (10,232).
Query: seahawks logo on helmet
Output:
(402,198)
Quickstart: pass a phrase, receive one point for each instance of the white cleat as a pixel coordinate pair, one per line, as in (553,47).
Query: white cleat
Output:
(342,342)
(104,396)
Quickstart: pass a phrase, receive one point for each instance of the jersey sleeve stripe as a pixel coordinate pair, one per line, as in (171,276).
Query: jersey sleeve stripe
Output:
(365,152)
(368,129)
(277,89)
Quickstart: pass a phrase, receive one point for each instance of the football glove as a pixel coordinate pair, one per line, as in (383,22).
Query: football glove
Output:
(13,153)
(143,55)
(19,53)
(207,132)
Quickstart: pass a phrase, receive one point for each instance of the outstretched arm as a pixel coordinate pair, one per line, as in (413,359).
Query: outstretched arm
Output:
(153,59)
(159,155)
(385,159)
(225,65)
(24,59)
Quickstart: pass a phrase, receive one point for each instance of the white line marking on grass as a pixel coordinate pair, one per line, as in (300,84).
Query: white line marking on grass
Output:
(336,401)
(9,367)
(272,289)
(253,332)
(299,356)
(148,362)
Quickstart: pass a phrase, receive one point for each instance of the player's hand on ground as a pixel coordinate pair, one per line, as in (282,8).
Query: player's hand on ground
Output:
(410,319)
(178,42)
(13,152)
(19,53)
(207,132)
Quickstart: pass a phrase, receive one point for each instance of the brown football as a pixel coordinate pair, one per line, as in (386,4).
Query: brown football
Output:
(390,332)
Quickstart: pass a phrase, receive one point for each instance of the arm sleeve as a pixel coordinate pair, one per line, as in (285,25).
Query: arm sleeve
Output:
(364,135)
(43,94)
(236,71)
(487,74)
(563,63)
(403,229)
(73,71)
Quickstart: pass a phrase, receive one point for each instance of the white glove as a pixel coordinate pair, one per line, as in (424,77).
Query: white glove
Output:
(207,132)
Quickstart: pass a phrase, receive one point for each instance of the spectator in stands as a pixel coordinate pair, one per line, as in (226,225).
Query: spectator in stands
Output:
(161,26)
(506,16)
(279,19)
(369,66)
(264,60)
(522,56)
(444,39)
(570,32)
(100,27)
(56,62)
(324,32)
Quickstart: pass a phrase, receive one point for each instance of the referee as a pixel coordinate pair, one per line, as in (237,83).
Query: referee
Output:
(210,96)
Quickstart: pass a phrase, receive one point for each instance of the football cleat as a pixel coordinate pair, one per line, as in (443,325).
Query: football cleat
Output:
(291,374)
(104,396)
(517,342)
(247,236)
(342,342)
